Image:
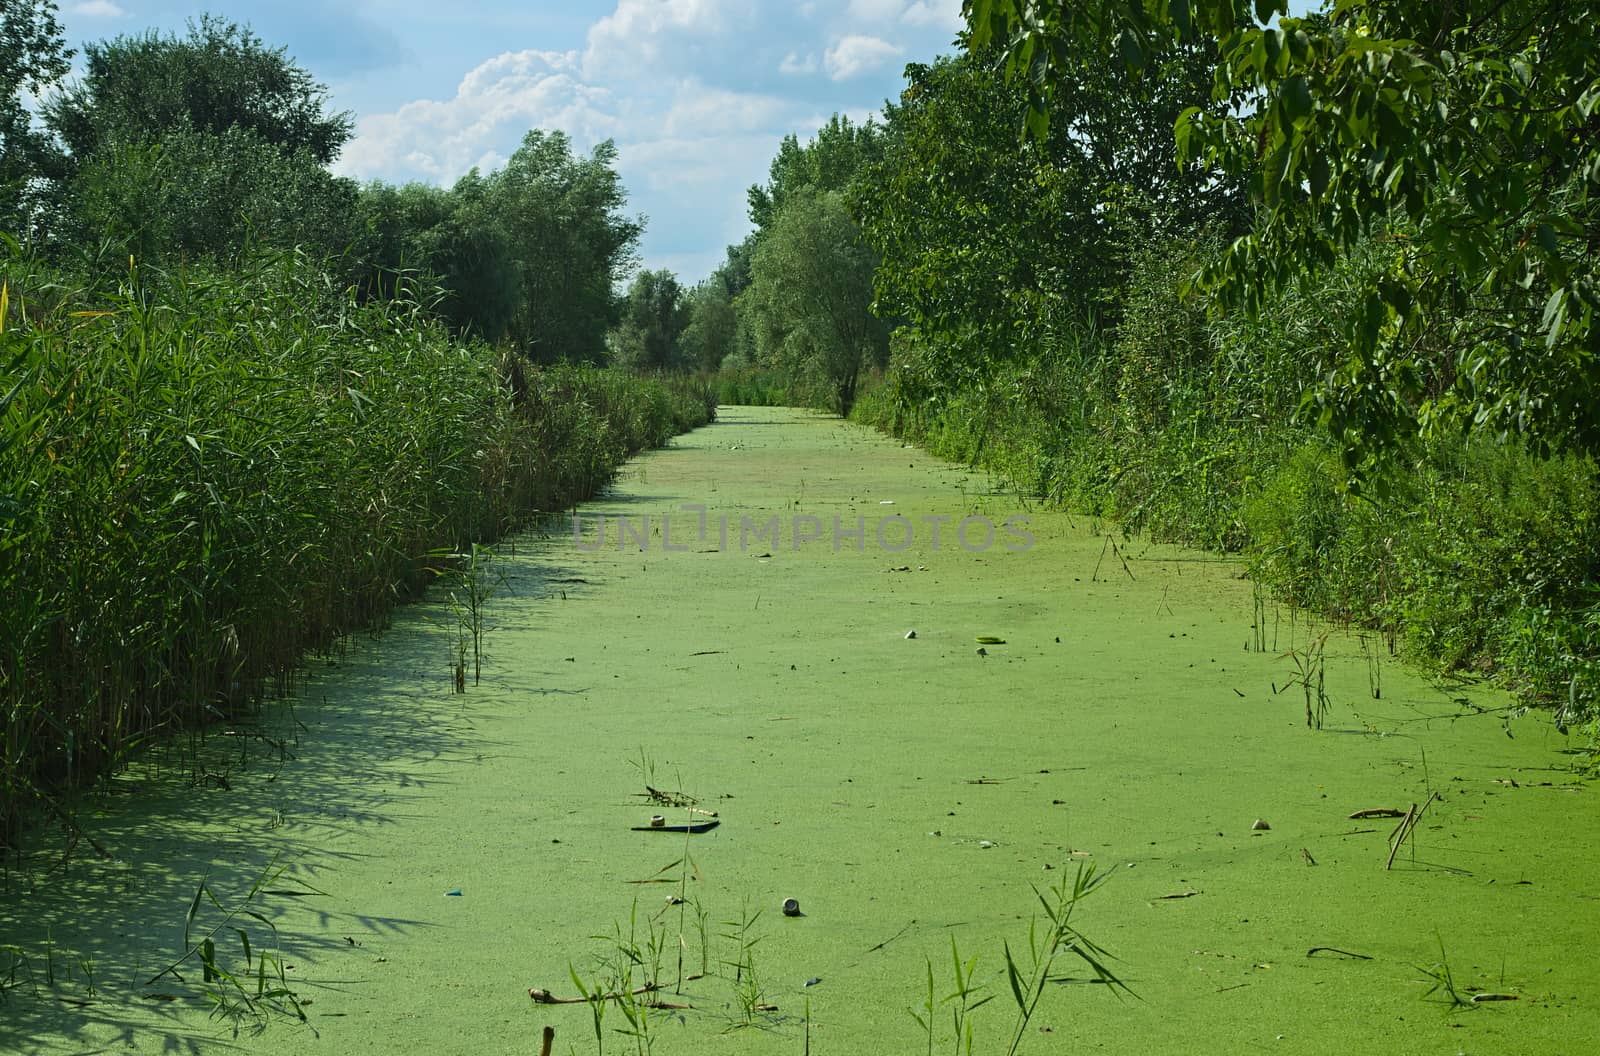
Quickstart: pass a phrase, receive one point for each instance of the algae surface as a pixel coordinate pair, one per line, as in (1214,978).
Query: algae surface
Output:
(1140,714)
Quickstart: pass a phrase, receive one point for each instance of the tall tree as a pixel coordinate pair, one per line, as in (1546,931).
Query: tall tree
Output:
(829,161)
(986,243)
(653,318)
(200,146)
(33,57)
(1466,134)
(563,216)
(811,294)
(711,334)
(136,89)
(449,237)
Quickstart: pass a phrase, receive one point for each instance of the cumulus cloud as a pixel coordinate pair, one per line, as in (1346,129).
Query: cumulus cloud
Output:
(642,37)
(96,9)
(793,64)
(439,140)
(698,110)
(936,14)
(697,95)
(855,55)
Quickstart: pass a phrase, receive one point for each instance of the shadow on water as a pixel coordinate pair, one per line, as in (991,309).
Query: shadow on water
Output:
(84,939)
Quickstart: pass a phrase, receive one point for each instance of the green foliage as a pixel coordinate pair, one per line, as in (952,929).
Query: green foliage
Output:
(1483,556)
(220,77)
(801,284)
(528,254)
(829,161)
(711,334)
(33,57)
(756,387)
(204,474)
(987,245)
(653,320)
(451,236)
(1467,132)
(810,296)
(563,215)
(210,196)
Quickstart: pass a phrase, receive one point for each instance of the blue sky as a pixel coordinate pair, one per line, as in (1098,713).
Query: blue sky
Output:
(696,93)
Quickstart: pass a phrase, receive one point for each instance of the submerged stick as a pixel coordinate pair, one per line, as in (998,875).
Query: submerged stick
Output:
(1407,827)
(1398,836)
(549,1041)
(545,997)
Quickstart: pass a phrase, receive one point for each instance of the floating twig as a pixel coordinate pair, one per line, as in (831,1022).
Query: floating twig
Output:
(545,997)
(1334,949)
(891,938)
(1377,812)
(693,826)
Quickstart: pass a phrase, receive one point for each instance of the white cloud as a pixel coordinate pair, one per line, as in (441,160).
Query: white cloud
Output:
(97,9)
(701,111)
(643,36)
(876,10)
(856,54)
(937,14)
(793,64)
(439,140)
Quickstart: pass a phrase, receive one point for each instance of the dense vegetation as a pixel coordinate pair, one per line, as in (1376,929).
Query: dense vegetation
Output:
(247,406)
(1319,290)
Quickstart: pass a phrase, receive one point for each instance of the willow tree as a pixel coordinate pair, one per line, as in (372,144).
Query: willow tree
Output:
(810,296)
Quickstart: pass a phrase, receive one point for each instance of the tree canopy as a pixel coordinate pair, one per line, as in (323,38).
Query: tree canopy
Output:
(811,293)
(1464,135)
(220,77)
(33,57)
(653,318)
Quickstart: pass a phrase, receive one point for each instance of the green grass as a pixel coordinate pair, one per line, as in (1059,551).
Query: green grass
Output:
(204,476)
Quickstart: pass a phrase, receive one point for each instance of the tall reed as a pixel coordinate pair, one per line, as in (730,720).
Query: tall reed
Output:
(204,475)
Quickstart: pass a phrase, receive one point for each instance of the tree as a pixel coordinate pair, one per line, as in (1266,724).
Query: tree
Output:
(137,89)
(711,335)
(811,294)
(33,57)
(986,244)
(1465,136)
(562,216)
(196,195)
(653,318)
(449,237)
(828,162)
(201,146)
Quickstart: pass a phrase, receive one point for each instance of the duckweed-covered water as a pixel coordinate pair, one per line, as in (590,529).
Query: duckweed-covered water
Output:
(443,853)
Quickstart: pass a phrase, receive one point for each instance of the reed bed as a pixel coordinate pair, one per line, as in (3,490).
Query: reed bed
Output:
(205,476)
